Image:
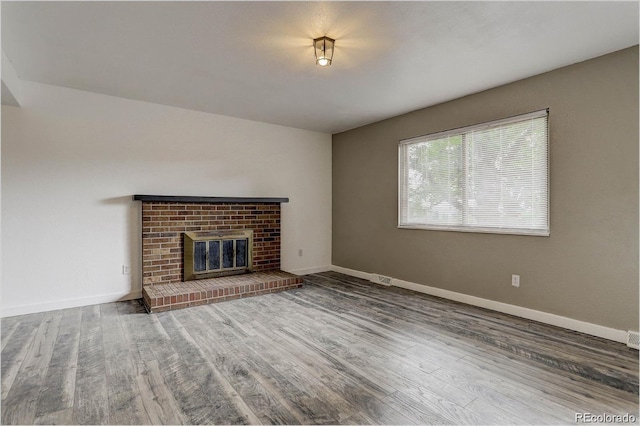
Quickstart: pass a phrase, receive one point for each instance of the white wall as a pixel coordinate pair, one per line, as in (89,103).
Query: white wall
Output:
(71,160)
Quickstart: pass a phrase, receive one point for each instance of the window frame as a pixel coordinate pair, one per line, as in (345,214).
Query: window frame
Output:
(402,203)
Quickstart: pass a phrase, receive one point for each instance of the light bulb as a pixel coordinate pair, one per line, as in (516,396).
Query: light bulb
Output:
(323,62)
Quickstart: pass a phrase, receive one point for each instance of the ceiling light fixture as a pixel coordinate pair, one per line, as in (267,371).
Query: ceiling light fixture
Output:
(324,50)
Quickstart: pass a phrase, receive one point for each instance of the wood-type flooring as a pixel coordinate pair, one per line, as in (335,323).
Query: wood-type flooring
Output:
(339,350)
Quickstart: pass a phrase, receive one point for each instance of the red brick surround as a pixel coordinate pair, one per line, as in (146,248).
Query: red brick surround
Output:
(163,225)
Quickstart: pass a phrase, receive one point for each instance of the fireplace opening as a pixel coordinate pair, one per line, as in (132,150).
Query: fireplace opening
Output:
(210,254)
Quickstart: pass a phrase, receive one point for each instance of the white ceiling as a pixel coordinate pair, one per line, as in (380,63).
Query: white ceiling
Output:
(255,60)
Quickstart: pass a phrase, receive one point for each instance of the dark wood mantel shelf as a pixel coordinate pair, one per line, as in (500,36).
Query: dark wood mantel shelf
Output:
(191,199)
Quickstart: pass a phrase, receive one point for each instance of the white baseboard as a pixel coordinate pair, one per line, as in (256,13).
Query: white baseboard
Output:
(107,298)
(306,271)
(352,272)
(519,311)
(70,303)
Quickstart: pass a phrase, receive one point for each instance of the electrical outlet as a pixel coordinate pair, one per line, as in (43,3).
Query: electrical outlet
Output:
(126,270)
(515,280)
(300,252)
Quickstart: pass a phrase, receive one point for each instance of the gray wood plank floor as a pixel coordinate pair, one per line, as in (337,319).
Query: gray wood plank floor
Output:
(339,350)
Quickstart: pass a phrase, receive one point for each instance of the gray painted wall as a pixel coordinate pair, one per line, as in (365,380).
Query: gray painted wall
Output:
(587,269)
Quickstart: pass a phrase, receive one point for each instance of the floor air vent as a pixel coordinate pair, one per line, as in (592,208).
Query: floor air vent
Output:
(633,339)
(380,279)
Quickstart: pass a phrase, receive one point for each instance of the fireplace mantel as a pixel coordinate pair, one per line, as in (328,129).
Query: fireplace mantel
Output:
(213,200)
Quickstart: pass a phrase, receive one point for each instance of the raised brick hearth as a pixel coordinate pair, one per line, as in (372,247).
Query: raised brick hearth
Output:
(164,297)
(164,221)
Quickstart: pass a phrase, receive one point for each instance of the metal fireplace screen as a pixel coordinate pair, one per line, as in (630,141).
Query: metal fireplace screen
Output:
(215,253)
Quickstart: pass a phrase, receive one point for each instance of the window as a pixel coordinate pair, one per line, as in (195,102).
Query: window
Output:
(491,177)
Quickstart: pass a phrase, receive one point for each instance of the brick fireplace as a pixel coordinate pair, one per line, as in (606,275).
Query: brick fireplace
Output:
(165,220)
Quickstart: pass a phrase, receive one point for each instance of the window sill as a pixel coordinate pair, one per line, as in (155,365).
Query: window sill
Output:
(507,231)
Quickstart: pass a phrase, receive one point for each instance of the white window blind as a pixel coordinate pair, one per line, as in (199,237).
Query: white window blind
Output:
(491,177)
